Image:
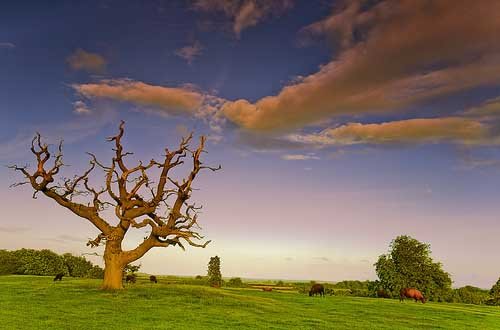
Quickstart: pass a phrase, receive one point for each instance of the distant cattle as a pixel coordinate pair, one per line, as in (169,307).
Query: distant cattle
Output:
(411,293)
(58,277)
(130,278)
(381,293)
(317,289)
(153,278)
(267,289)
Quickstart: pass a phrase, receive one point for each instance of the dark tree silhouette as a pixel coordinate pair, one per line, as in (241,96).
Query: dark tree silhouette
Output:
(214,274)
(166,211)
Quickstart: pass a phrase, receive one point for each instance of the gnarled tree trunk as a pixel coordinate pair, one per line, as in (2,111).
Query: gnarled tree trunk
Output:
(114,265)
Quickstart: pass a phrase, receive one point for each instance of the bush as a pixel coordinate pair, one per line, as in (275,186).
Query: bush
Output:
(43,262)
(9,264)
(76,266)
(95,272)
(235,282)
(468,295)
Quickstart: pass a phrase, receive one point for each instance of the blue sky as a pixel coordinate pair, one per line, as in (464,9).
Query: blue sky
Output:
(339,125)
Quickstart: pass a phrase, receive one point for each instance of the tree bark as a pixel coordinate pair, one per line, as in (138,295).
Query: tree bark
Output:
(113,267)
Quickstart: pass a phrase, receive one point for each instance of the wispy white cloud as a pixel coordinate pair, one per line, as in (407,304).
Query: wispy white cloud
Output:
(7,45)
(190,52)
(81,108)
(244,13)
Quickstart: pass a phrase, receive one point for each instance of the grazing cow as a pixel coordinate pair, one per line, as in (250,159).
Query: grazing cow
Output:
(267,289)
(381,293)
(317,289)
(411,293)
(153,278)
(130,278)
(58,277)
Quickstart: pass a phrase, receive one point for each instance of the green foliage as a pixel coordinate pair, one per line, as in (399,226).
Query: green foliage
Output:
(95,272)
(213,273)
(46,262)
(280,283)
(235,282)
(468,295)
(9,264)
(131,269)
(495,289)
(76,266)
(43,262)
(494,299)
(409,264)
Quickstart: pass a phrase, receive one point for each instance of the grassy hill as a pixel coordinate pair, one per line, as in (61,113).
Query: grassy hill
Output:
(35,302)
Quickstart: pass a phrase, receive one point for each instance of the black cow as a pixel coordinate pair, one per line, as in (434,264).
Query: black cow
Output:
(317,289)
(130,278)
(58,277)
(153,278)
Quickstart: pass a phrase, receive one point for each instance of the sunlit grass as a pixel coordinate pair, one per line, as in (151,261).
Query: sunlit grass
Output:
(32,302)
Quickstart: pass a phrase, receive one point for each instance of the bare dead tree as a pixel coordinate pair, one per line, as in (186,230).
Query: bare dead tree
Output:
(166,211)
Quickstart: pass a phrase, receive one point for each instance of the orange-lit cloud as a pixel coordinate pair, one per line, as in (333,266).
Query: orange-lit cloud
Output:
(168,100)
(490,110)
(82,60)
(244,13)
(393,54)
(299,157)
(411,131)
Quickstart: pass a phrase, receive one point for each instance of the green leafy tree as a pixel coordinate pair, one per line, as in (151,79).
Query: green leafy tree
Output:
(76,266)
(494,294)
(495,289)
(9,264)
(409,264)
(469,295)
(214,274)
(43,262)
(131,269)
(95,272)
(235,282)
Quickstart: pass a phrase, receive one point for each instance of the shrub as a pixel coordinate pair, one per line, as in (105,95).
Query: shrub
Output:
(235,282)
(95,272)
(9,264)
(76,266)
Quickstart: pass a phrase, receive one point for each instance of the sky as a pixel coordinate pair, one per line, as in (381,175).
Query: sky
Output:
(339,125)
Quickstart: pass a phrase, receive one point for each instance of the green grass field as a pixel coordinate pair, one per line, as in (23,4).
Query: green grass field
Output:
(36,302)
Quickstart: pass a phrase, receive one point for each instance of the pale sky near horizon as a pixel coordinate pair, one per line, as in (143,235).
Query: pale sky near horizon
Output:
(339,126)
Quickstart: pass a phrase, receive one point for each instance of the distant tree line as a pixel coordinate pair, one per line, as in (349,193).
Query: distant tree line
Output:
(46,262)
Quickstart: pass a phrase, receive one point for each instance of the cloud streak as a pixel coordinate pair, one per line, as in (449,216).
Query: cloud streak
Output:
(190,52)
(7,45)
(412,131)
(393,55)
(170,100)
(86,61)
(244,14)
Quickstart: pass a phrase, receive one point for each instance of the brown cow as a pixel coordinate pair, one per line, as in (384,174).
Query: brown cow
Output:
(317,289)
(381,293)
(153,278)
(130,278)
(58,277)
(411,293)
(267,289)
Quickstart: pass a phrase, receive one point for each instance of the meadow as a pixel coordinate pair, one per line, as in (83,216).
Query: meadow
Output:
(36,302)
